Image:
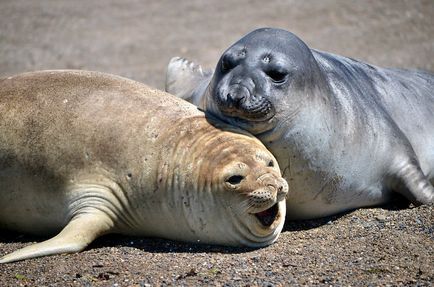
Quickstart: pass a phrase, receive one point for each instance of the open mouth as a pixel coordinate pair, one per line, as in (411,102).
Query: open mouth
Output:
(268,216)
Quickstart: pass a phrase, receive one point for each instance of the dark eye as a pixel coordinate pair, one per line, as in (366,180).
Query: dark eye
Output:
(271,163)
(277,76)
(227,64)
(235,179)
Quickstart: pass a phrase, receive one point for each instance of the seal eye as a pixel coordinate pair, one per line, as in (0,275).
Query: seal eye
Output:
(277,76)
(227,64)
(235,179)
(271,163)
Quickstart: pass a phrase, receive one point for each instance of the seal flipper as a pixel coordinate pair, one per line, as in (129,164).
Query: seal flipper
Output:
(416,186)
(186,79)
(74,237)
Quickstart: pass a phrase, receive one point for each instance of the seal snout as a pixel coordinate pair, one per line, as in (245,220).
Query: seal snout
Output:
(240,102)
(276,185)
(274,191)
(235,96)
(282,189)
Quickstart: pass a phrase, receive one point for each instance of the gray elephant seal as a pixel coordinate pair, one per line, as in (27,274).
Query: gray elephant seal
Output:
(346,134)
(87,154)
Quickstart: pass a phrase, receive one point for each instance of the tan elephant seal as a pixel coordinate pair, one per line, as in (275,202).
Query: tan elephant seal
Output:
(346,134)
(87,154)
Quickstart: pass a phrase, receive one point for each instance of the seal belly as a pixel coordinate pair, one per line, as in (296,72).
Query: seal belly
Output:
(315,194)
(29,204)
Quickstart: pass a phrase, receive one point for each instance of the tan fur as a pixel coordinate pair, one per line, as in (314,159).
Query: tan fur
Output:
(81,147)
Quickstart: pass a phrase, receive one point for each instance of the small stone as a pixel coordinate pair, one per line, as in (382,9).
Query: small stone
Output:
(380,217)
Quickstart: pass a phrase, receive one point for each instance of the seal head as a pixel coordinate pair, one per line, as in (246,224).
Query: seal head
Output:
(252,79)
(232,176)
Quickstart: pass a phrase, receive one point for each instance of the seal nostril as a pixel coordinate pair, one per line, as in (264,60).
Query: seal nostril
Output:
(234,99)
(281,192)
(230,100)
(229,97)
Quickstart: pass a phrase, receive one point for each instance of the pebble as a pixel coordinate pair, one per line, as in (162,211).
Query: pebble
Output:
(380,217)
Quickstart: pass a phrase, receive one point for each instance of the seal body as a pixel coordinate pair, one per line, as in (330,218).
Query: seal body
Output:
(346,134)
(85,154)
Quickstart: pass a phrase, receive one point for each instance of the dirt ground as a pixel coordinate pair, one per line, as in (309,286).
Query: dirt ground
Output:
(136,39)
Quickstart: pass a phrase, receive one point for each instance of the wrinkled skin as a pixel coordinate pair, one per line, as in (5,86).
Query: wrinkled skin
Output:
(84,154)
(346,134)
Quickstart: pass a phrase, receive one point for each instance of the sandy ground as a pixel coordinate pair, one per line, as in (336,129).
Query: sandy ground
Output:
(136,39)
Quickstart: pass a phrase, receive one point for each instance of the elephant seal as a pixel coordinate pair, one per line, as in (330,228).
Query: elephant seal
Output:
(346,134)
(87,154)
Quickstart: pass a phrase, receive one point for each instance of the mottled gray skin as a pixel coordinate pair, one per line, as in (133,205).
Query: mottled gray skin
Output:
(84,154)
(346,134)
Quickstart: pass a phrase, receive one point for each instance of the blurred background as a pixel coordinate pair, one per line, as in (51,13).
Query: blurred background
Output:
(137,38)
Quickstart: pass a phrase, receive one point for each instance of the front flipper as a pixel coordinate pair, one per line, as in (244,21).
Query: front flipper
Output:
(186,79)
(417,188)
(74,237)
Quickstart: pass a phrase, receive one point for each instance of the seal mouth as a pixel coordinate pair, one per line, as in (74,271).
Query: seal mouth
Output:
(268,217)
(240,102)
(237,116)
(255,127)
(252,112)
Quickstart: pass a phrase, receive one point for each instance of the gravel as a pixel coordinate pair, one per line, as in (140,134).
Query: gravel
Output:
(362,248)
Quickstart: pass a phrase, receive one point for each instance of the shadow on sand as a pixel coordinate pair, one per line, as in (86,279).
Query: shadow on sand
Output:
(158,245)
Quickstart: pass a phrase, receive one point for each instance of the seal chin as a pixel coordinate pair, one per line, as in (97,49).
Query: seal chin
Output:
(268,220)
(254,127)
(264,227)
(248,117)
